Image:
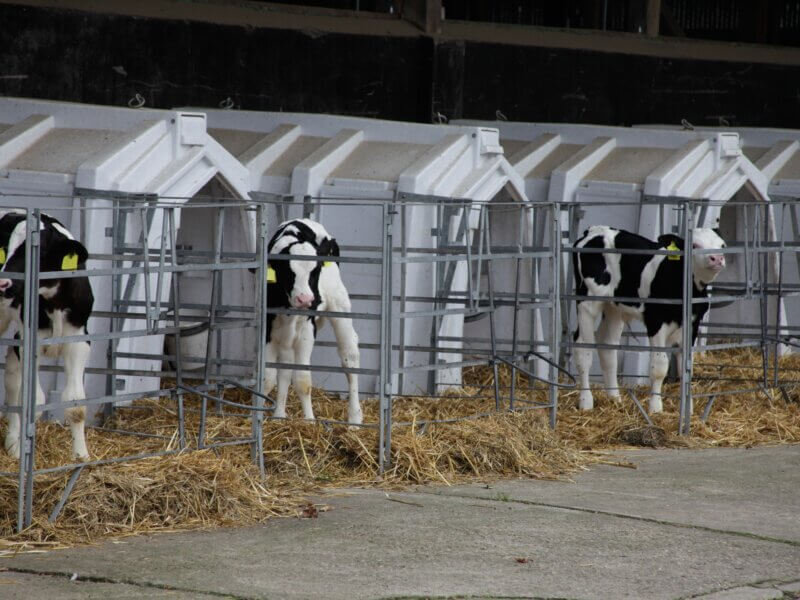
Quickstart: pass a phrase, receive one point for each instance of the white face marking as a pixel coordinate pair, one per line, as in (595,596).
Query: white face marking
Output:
(49,292)
(63,230)
(302,269)
(706,267)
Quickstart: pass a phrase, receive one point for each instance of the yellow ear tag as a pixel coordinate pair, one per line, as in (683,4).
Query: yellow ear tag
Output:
(674,247)
(271,277)
(327,263)
(2,256)
(70,262)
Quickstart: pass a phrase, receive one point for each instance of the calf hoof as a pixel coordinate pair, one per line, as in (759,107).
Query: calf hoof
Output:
(278,414)
(80,457)
(586,401)
(615,397)
(655,405)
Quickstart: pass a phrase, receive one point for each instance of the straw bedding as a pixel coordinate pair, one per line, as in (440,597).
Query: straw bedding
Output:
(211,488)
(221,487)
(758,417)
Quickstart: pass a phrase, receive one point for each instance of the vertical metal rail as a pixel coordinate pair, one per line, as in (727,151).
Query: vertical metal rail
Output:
(212,313)
(535,322)
(439,270)
(401,333)
(115,323)
(162,261)
(762,258)
(769,293)
(566,286)
(779,295)
(148,313)
(385,371)
(257,446)
(515,318)
(486,225)
(28,349)
(555,304)
(685,413)
(217,285)
(176,320)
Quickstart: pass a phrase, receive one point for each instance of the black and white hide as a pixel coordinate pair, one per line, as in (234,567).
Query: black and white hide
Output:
(306,285)
(637,276)
(64,309)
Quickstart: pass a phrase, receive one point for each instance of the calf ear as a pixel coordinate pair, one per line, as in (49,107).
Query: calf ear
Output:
(65,251)
(329,247)
(670,238)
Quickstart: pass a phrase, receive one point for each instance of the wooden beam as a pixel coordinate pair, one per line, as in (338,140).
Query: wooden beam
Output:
(425,14)
(672,23)
(282,16)
(653,17)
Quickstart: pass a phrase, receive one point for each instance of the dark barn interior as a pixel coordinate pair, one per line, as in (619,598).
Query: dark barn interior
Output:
(614,62)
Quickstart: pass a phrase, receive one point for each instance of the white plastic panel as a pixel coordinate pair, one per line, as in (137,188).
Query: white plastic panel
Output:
(54,147)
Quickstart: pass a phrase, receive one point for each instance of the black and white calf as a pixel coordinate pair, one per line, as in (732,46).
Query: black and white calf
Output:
(310,285)
(64,309)
(637,276)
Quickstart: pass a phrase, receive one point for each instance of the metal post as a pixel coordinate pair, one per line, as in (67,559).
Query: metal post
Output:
(685,413)
(115,324)
(490,288)
(555,303)
(779,296)
(763,292)
(401,333)
(176,320)
(257,446)
(30,331)
(515,319)
(385,375)
(212,313)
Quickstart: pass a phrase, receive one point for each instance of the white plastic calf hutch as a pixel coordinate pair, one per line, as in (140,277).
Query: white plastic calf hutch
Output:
(776,153)
(337,170)
(609,174)
(60,156)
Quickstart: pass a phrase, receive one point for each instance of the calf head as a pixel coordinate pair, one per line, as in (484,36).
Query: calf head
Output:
(299,279)
(58,252)
(705,267)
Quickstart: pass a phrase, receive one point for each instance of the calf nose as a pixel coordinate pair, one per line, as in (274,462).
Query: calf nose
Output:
(4,284)
(717,260)
(304,300)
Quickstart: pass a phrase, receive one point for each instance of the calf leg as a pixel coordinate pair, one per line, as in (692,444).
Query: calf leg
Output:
(303,345)
(270,373)
(587,313)
(13,381)
(285,355)
(13,385)
(659,365)
(75,356)
(610,332)
(347,343)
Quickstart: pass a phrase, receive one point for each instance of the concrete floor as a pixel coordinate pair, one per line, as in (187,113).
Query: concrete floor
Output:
(720,524)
